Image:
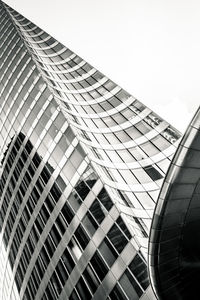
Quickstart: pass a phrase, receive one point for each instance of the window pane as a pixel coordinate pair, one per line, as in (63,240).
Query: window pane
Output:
(139,270)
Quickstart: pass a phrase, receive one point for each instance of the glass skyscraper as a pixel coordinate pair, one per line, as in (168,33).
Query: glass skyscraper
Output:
(82,163)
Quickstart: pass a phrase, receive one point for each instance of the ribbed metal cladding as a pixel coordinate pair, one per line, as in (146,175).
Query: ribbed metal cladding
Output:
(82,162)
(174,245)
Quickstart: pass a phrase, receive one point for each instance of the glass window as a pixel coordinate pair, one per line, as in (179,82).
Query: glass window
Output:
(51,292)
(44,213)
(74,201)
(128,176)
(114,101)
(123,136)
(117,294)
(133,132)
(117,238)
(89,224)
(68,170)
(153,173)
(68,260)
(55,235)
(130,286)
(112,138)
(62,272)
(45,175)
(75,248)
(119,118)
(67,212)
(126,156)
(108,252)
(97,108)
(36,160)
(109,85)
(137,153)
(39,224)
(60,222)
(113,155)
(98,76)
(100,138)
(98,211)
(141,175)
(110,121)
(99,265)
(82,236)
(106,105)
(160,142)
(49,202)
(122,225)
(50,246)
(47,140)
(102,90)
(141,226)
(138,106)
(105,199)
(93,95)
(83,290)
(91,81)
(60,120)
(91,278)
(82,189)
(69,135)
(99,123)
(77,157)
(149,148)
(59,151)
(74,296)
(61,183)
(139,270)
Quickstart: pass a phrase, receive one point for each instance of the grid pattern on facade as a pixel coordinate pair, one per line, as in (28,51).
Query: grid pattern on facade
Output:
(82,162)
(129,145)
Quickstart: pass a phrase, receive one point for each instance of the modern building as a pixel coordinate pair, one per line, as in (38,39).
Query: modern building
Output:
(174,245)
(82,163)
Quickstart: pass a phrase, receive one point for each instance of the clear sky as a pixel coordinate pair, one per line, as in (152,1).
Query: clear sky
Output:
(149,47)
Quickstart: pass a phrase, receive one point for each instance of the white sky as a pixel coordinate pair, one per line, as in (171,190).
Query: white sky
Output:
(149,47)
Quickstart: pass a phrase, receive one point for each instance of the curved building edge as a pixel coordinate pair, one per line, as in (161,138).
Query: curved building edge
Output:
(174,248)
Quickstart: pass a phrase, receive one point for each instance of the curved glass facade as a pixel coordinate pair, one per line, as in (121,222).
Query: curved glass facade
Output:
(82,162)
(129,145)
(174,248)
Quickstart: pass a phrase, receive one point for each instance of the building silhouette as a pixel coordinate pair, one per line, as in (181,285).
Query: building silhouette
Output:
(82,163)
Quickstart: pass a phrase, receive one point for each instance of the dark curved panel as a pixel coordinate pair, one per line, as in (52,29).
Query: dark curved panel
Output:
(174,245)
